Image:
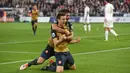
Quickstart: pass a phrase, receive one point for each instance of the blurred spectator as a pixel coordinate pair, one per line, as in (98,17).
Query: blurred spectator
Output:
(76,7)
(4,16)
(1,13)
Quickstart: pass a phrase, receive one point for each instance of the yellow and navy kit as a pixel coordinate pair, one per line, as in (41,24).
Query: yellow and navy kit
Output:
(62,53)
(34,14)
(62,47)
(50,42)
(68,26)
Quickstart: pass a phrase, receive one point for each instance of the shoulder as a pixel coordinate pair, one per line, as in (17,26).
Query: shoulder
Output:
(86,8)
(107,6)
(55,22)
(112,5)
(37,10)
(69,23)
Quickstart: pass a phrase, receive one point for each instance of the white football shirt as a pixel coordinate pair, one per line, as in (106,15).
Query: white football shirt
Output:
(109,11)
(86,12)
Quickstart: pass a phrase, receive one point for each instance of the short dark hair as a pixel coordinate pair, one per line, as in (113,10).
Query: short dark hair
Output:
(64,10)
(60,14)
(108,0)
(34,4)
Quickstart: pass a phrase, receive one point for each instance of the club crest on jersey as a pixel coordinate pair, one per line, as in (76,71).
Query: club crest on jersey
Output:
(53,34)
(46,51)
(54,21)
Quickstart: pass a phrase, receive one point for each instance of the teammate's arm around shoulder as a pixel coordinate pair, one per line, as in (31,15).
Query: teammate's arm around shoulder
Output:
(58,41)
(55,27)
(69,37)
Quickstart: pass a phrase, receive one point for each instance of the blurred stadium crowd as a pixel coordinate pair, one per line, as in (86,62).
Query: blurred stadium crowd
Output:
(50,7)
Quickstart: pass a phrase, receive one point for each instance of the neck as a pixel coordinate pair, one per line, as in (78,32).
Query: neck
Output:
(34,9)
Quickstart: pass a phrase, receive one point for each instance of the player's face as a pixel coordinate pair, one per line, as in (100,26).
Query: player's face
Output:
(35,7)
(67,16)
(62,21)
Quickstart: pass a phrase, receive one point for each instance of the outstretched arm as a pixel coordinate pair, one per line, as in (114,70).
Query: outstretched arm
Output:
(77,40)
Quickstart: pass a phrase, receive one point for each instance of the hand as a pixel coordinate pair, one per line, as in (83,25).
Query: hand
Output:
(78,39)
(67,33)
(63,37)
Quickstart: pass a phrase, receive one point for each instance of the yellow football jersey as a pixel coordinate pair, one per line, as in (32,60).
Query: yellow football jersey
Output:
(62,47)
(34,14)
(50,42)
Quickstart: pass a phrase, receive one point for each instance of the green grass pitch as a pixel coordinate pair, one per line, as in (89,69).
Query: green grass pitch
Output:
(18,45)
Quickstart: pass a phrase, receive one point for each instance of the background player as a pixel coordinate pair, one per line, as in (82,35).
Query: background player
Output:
(4,16)
(87,26)
(34,17)
(108,20)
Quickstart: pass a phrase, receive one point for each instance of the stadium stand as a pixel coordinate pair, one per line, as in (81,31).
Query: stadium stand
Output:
(17,8)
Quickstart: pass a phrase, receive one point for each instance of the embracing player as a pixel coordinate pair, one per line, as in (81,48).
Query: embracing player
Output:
(49,50)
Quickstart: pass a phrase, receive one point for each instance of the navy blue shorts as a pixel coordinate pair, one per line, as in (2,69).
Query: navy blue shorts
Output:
(48,52)
(64,57)
(33,22)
